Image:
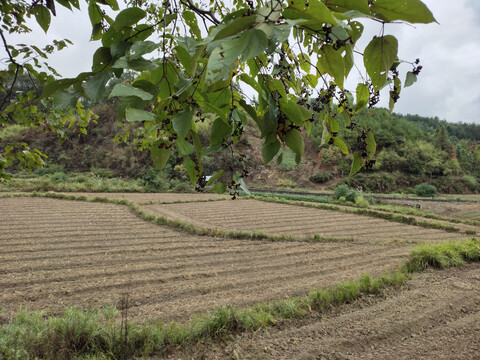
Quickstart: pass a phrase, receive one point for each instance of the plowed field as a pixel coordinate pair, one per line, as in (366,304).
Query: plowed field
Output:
(436,316)
(57,253)
(281,219)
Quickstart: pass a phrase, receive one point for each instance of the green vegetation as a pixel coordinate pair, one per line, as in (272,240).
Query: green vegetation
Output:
(165,78)
(76,333)
(321,177)
(425,190)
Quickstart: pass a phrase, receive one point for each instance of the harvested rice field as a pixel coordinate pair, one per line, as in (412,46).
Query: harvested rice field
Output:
(58,253)
(61,253)
(436,316)
(282,219)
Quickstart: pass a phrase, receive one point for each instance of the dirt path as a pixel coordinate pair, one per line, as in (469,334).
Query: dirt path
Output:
(282,219)
(435,316)
(57,253)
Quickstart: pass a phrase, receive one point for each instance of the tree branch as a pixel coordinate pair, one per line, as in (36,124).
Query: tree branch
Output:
(209,14)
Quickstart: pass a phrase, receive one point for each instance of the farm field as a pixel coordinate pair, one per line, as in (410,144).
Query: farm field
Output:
(436,316)
(469,211)
(282,219)
(57,253)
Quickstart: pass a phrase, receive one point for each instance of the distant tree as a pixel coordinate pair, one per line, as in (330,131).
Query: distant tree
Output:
(442,140)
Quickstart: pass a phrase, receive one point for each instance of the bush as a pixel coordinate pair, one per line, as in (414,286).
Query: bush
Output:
(321,177)
(425,190)
(58,176)
(341,191)
(286,183)
(344,193)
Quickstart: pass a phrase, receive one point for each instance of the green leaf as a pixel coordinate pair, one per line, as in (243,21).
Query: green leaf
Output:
(184,148)
(192,23)
(235,27)
(129,90)
(341,145)
(413,11)
(140,48)
(348,5)
(243,186)
(293,112)
(56,85)
(64,3)
(410,79)
(132,115)
(128,17)
(371,145)
(101,58)
(357,163)
(223,59)
(316,13)
(135,64)
(379,57)
(94,13)
(215,177)
(254,43)
(42,15)
(219,188)
(270,148)
(189,165)
(97,32)
(294,140)
(363,96)
(182,122)
(95,86)
(113,4)
(331,62)
(159,156)
(64,100)
(348,59)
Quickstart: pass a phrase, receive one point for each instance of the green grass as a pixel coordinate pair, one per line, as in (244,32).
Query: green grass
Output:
(71,182)
(97,335)
(416,212)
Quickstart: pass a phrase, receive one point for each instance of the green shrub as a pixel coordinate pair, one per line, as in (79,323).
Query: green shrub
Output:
(286,183)
(321,177)
(352,195)
(344,193)
(59,176)
(425,190)
(361,202)
(341,191)
(153,180)
(288,162)
(103,173)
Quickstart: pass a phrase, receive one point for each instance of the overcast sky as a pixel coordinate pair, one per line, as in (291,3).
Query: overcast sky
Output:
(447,87)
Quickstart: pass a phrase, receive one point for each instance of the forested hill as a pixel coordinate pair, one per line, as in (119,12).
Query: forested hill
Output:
(457,131)
(410,149)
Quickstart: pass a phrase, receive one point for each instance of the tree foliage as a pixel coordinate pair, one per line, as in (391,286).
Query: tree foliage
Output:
(193,59)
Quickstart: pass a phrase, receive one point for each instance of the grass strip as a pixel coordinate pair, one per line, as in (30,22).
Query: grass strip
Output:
(180,201)
(365,212)
(415,212)
(97,335)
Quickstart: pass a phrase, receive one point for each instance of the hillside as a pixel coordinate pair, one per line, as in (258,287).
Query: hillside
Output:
(410,150)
